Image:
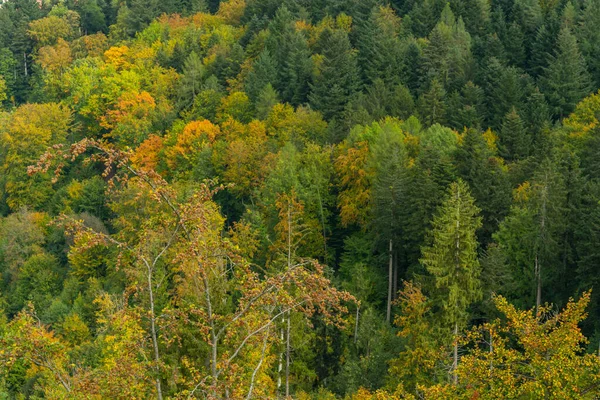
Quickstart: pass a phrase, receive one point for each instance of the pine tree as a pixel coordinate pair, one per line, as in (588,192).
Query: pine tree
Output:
(537,117)
(451,259)
(431,104)
(291,54)
(297,71)
(542,47)
(265,101)
(337,79)
(566,80)
(479,165)
(390,159)
(530,237)
(515,141)
(447,56)
(588,36)
(504,89)
(515,45)
(264,72)
(379,47)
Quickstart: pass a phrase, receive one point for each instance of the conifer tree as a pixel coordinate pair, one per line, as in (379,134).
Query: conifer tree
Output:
(504,89)
(478,164)
(264,72)
(432,107)
(515,141)
(379,48)
(566,80)
(448,53)
(337,79)
(451,259)
(589,37)
(390,160)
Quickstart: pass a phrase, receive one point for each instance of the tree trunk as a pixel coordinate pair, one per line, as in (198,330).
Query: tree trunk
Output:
(455,362)
(356,323)
(280,366)
(390,277)
(154,336)
(395,291)
(538,278)
(287,357)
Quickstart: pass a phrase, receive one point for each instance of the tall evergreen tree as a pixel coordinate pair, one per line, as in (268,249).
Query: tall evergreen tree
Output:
(451,259)
(477,162)
(379,47)
(264,72)
(588,36)
(432,106)
(515,141)
(505,90)
(447,56)
(531,235)
(337,79)
(566,80)
(390,161)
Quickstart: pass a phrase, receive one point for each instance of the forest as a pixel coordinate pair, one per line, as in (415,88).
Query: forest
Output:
(300,199)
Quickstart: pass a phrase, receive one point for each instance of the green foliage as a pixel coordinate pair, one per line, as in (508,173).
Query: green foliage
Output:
(566,80)
(451,258)
(337,77)
(184,184)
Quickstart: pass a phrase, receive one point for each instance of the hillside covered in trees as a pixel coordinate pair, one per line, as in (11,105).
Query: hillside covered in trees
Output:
(307,199)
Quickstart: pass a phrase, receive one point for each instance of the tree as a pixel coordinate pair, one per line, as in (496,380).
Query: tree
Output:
(218,297)
(379,47)
(566,80)
(432,107)
(417,362)
(264,72)
(515,141)
(589,37)
(531,235)
(527,356)
(505,90)
(3,90)
(30,130)
(390,162)
(337,78)
(447,56)
(451,259)
(479,165)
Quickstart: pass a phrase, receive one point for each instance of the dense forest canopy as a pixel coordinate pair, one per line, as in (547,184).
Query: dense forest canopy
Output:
(308,199)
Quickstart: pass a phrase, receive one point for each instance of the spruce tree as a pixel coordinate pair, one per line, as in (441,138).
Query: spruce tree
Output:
(515,142)
(337,79)
(504,89)
(379,47)
(264,71)
(477,162)
(432,107)
(566,80)
(451,259)
(588,35)
(390,162)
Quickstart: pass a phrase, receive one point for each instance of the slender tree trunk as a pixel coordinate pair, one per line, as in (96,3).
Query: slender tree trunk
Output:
(538,267)
(280,366)
(287,357)
(455,362)
(390,277)
(538,278)
(356,324)
(154,336)
(395,285)
(491,351)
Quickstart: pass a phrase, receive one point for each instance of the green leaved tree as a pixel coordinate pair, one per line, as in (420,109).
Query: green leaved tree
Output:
(451,259)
